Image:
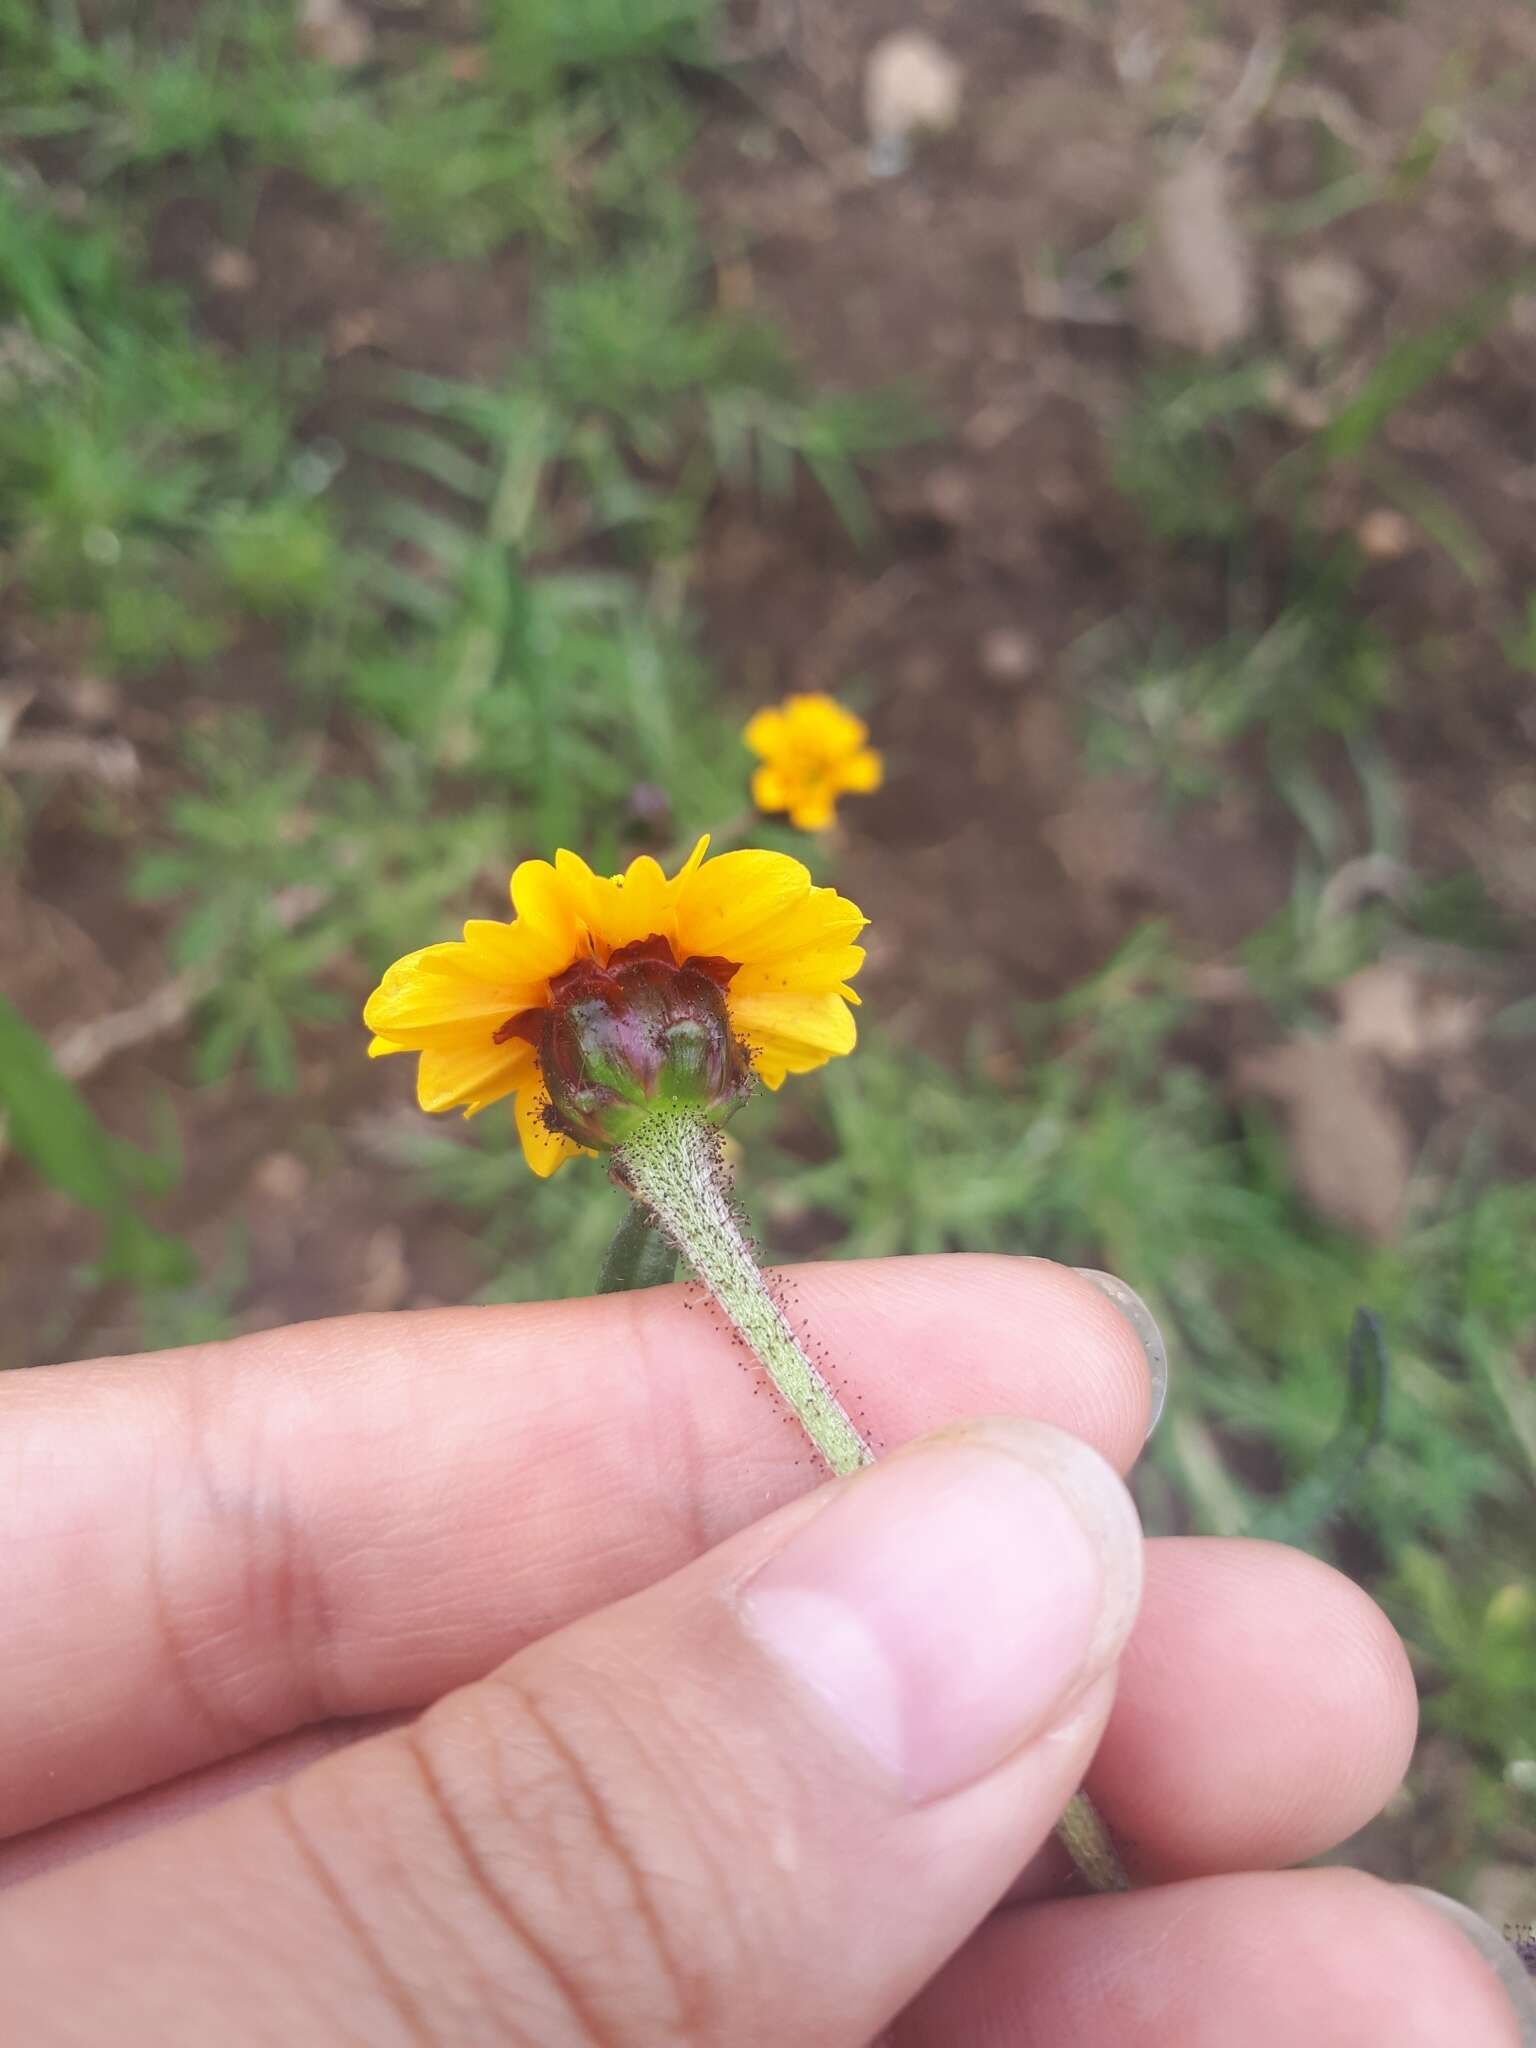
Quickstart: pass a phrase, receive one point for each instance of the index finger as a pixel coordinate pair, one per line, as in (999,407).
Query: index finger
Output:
(211,1547)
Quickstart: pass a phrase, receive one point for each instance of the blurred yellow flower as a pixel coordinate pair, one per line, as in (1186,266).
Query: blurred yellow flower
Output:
(813,751)
(746,933)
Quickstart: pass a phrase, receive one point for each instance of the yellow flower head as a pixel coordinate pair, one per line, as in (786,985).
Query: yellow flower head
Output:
(746,935)
(813,751)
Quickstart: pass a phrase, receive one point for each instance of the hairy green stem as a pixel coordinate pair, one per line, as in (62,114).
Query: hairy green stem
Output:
(640,1255)
(674,1167)
(673,1164)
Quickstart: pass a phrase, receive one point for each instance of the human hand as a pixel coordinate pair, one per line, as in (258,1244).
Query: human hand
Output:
(564,1707)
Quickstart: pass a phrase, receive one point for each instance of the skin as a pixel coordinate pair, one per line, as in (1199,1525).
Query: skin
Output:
(405,1679)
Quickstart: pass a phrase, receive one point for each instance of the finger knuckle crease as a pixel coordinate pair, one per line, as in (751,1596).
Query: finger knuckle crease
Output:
(267,1587)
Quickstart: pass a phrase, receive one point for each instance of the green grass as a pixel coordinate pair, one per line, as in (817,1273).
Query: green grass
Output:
(1303,664)
(466,621)
(51,1125)
(381,666)
(148,485)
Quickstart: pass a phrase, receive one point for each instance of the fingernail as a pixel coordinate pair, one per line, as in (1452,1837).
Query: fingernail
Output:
(956,1598)
(1144,1323)
(1500,1955)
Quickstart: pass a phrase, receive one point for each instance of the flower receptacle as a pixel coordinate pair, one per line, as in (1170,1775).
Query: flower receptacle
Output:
(646,1031)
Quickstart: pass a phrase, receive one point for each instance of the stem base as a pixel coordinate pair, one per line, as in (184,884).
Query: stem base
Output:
(674,1164)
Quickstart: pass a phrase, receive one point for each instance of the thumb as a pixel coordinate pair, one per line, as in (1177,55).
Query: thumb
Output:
(760,1802)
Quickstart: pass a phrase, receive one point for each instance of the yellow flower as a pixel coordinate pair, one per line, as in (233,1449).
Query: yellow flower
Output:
(813,751)
(748,930)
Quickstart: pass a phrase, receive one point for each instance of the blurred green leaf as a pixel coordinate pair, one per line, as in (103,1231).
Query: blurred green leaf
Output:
(1326,1489)
(1411,363)
(53,1127)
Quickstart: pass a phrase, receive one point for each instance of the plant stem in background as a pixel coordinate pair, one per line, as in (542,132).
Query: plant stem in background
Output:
(641,1255)
(674,1166)
(673,1163)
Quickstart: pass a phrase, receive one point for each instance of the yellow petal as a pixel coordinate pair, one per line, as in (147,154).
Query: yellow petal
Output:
(813,813)
(820,724)
(579,886)
(766,732)
(513,958)
(635,905)
(546,1151)
(694,861)
(548,923)
(822,922)
(754,906)
(380,1048)
(866,771)
(727,899)
(770,790)
(795,1032)
(434,996)
(470,1076)
(819,970)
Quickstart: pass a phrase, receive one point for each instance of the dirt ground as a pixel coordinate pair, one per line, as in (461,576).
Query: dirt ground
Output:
(978,272)
(990,851)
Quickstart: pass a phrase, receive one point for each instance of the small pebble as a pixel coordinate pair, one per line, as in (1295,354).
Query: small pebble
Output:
(912,87)
(229,269)
(1321,299)
(1385,535)
(1009,655)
